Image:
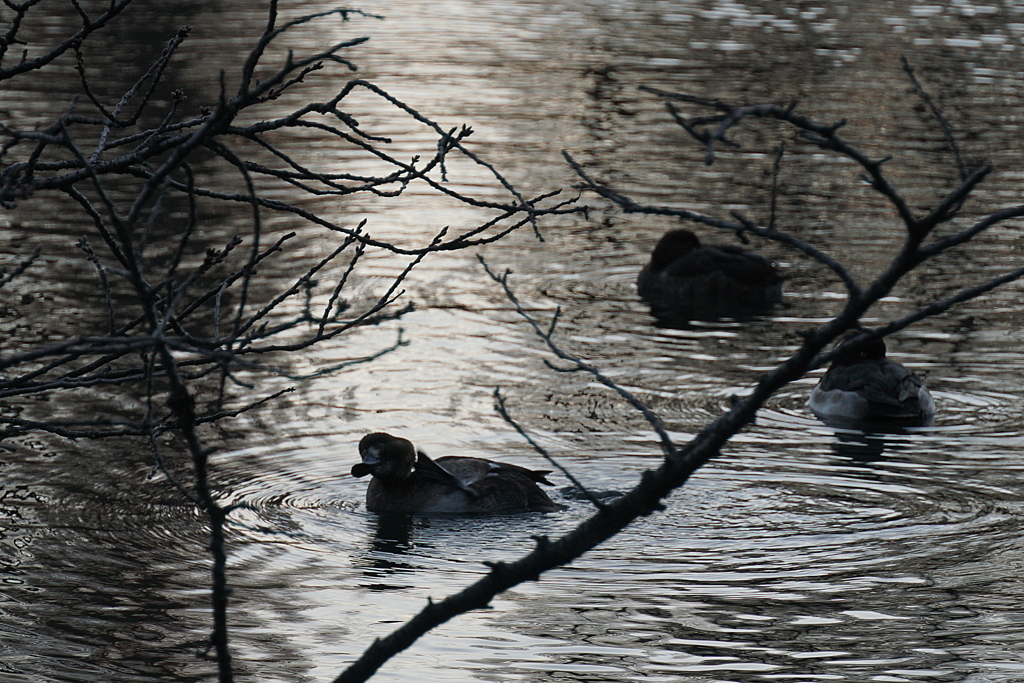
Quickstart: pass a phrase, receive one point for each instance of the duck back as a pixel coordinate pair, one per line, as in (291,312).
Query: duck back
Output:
(711,276)
(478,486)
(872,391)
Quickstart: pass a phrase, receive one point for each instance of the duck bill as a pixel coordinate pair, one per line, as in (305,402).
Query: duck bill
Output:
(370,462)
(363,468)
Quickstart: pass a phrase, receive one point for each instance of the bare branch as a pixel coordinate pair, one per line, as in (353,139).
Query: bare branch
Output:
(652,419)
(114,8)
(6,278)
(499,406)
(84,245)
(946,130)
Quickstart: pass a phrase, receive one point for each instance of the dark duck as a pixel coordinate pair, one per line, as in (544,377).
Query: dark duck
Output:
(862,386)
(685,274)
(407,481)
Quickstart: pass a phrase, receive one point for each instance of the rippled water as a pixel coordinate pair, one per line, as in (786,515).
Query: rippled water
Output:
(800,554)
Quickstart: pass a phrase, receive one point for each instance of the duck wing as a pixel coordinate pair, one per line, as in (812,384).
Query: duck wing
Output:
(500,486)
(433,471)
(738,264)
(513,488)
(891,390)
(470,471)
(539,476)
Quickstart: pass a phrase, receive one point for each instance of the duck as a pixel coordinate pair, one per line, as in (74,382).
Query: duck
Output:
(407,481)
(862,386)
(684,273)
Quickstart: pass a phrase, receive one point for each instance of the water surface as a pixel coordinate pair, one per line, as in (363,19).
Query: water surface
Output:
(800,554)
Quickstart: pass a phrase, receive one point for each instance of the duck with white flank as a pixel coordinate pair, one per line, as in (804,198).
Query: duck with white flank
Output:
(407,481)
(863,386)
(683,273)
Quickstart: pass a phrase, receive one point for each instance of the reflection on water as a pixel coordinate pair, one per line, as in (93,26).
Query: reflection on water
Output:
(802,553)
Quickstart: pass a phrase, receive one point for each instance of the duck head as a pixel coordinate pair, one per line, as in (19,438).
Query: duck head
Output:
(385,456)
(856,348)
(672,245)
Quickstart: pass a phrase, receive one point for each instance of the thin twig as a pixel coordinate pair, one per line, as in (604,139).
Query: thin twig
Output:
(6,278)
(499,406)
(666,441)
(84,245)
(946,130)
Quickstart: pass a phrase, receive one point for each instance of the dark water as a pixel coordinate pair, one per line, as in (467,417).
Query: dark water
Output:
(798,555)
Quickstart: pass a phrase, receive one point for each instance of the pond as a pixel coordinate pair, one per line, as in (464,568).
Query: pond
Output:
(802,553)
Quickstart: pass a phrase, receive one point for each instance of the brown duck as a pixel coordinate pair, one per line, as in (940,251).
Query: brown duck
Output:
(683,273)
(405,480)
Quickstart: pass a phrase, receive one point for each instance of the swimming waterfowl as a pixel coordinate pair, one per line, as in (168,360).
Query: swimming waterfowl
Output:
(863,386)
(406,480)
(684,273)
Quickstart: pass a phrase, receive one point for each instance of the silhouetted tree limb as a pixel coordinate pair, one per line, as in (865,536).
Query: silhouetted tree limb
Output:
(579,364)
(499,406)
(946,130)
(10,37)
(6,278)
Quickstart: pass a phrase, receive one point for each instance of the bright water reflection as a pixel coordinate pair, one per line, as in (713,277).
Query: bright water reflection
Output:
(800,554)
